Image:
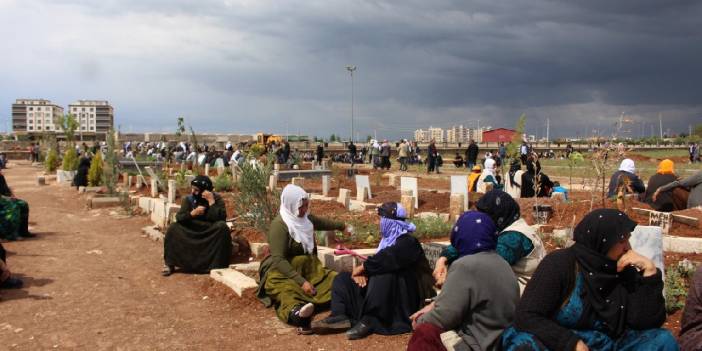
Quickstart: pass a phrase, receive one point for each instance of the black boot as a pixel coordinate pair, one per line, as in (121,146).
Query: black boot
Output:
(359,331)
(340,322)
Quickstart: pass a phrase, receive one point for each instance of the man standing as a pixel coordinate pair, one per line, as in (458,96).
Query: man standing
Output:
(431,157)
(352,153)
(320,153)
(385,155)
(471,154)
(524,152)
(403,153)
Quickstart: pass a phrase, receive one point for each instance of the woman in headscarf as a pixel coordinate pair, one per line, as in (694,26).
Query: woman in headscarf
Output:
(626,174)
(381,293)
(514,178)
(598,294)
(473,177)
(292,278)
(200,239)
(667,201)
(517,243)
(81,178)
(14,214)
(691,322)
(478,299)
(532,176)
(488,176)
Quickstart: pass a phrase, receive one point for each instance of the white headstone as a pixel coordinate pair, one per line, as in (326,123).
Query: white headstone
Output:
(154,187)
(661,219)
(362,185)
(171,191)
(410,184)
(326,180)
(272,182)
(207,169)
(648,241)
(151,173)
(345,197)
(201,159)
(459,185)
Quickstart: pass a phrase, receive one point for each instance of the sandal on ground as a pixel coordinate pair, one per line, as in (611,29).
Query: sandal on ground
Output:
(167,270)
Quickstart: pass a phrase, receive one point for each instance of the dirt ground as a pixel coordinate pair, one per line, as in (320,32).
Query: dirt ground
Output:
(92,282)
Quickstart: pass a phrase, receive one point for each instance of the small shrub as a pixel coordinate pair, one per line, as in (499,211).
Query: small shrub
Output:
(95,172)
(677,282)
(70,160)
(256,150)
(256,206)
(181,179)
(431,227)
(51,162)
(223,182)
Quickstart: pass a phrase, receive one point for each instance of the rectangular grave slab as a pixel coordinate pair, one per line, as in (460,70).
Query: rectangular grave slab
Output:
(235,280)
(363,188)
(459,185)
(102,202)
(410,184)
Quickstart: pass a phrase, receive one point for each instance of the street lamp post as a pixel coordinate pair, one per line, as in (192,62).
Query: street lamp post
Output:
(351,69)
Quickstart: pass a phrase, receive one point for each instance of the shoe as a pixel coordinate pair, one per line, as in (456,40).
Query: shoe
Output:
(359,331)
(340,322)
(11,283)
(167,270)
(28,235)
(300,316)
(307,310)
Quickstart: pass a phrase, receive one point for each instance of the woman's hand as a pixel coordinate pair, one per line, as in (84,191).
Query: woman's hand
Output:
(308,288)
(581,346)
(209,196)
(198,211)
(655,194)
(358,275)
(440,271)
(415,316)
(632,258)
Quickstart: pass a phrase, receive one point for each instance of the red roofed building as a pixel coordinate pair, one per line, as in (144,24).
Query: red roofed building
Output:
(499,135)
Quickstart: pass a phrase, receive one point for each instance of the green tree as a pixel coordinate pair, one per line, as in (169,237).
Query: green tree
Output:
(69,124)
(513,146)
(181,126)
(332,138)
(95,171)
(70,159)
(109,171)
(51,162)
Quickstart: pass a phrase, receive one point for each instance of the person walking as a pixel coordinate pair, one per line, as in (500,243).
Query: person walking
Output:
(432,154)
(352,153)
(385,155)
(403,154)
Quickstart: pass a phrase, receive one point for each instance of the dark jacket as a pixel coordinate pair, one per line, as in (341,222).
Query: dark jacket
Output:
(472,153)
(618,178)
(664,201)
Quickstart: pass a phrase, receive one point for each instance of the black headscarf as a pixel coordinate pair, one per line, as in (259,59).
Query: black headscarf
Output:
(202,182)
(500,206)
(598,231)
(513,168)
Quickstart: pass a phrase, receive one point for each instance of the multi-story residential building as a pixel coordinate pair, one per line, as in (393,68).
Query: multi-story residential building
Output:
(437,134)
(457,134)
(421,136)
(94,117)
(35,116)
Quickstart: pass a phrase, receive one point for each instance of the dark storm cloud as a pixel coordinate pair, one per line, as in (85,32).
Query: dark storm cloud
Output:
(580,63)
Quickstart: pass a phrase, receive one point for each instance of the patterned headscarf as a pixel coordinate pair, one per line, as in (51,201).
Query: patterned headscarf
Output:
(202,182)
(474,232)
(500,206)
(392,224)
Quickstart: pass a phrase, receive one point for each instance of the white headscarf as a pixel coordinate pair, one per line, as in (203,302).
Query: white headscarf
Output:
(488,170)
(300,228)
(627,166)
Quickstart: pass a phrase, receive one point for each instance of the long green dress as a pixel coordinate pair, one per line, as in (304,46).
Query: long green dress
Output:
(287,267)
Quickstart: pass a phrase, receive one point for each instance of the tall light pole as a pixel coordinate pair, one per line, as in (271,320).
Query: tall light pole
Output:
(351,69)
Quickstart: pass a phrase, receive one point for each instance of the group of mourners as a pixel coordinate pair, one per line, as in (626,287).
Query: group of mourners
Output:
(498,288)
(14,225)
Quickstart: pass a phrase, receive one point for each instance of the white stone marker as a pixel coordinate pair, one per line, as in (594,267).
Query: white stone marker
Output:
(171,191)
(272,182)
(326,185)
(648,241)
(363,185)
(410,184)
(345,197)
(459,185)
(154,187)
(207,169)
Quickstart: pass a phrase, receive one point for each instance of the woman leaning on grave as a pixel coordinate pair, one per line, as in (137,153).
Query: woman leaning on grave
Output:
(598,294)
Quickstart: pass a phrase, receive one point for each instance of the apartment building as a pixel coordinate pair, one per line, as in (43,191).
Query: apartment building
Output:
(94,117)
(457,134)
(35,116)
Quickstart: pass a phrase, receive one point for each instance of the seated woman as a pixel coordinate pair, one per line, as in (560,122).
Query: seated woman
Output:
(81,178)
(513,179)
(381,294)
(517,242)
(479,297)
(488,177)
(473,177)
(14,214)
(667,201)
(691,323)
(626,172)
(458,160)
(292,277)
(693,182)
(200,240)
(597,294)
(533,176)
(6,279)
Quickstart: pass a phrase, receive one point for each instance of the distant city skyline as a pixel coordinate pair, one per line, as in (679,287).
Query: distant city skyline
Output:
(243,67)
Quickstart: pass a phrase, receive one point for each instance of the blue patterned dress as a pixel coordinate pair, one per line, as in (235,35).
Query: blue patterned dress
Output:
(596,337)
(10,217)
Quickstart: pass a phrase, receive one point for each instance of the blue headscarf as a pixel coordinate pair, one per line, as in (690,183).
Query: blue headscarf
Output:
(474,232)
(391,229)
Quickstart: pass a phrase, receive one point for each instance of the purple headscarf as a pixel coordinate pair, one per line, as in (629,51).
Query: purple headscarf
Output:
(474,232)
(391,229)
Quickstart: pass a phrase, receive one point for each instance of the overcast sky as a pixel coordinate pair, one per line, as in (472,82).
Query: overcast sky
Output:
(257,65)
